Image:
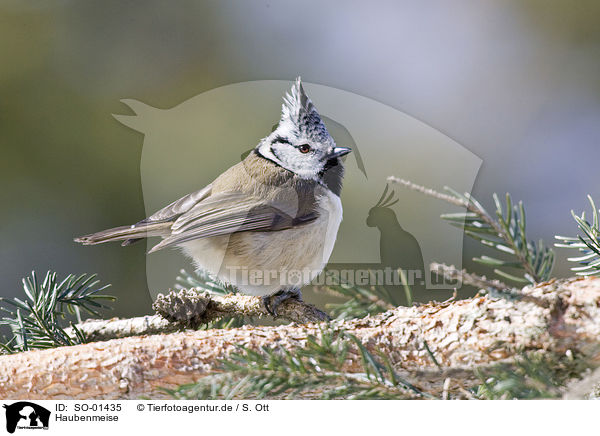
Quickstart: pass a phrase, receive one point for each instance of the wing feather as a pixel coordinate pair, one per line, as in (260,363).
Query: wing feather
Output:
(228,213)
(179,207)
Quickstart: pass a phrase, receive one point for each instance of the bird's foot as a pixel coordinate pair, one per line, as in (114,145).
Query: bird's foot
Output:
(273,301)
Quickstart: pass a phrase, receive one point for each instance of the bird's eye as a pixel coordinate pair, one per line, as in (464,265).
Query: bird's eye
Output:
(304,148)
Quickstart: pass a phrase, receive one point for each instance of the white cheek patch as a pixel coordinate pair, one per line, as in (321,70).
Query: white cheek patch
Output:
(291,159)
(286,155)
(265,151)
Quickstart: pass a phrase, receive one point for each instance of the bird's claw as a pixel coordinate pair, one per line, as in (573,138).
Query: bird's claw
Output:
(273,301)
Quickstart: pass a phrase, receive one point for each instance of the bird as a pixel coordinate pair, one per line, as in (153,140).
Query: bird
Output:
(268,224)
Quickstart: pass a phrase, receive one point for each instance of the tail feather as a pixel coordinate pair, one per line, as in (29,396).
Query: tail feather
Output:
(128,234)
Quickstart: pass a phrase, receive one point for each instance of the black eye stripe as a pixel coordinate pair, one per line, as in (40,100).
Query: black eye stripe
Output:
(282,140)
(273,152)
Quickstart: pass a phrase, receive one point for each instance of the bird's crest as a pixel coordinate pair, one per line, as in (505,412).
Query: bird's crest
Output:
(296,103)
(300,111)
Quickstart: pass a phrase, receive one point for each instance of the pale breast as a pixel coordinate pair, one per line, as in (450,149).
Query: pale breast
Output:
(260,263)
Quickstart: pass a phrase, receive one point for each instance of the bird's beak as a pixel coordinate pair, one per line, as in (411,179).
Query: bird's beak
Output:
(339,152)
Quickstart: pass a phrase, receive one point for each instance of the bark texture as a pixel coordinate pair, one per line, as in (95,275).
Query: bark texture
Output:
(462,335)
(185,309)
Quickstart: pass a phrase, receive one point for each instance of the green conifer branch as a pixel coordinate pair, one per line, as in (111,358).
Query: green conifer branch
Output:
(36,320)
(315,371)
(506,233)
(531,375)
(588,243)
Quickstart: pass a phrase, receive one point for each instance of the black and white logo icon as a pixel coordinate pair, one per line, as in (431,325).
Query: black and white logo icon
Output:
(26,415)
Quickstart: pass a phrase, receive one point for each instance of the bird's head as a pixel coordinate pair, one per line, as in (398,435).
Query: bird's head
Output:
(301,143)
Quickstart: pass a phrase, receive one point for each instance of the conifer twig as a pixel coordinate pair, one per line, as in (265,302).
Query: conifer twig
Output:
(317,370)
(588,243)
(505,233)
(495,287)
(35,320)
(481,282)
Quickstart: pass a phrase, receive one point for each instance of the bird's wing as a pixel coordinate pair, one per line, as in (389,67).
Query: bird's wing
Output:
(179,207)
(231,212)
(169,213)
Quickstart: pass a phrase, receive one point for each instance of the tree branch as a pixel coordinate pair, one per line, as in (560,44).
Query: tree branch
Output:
(189,308)
(463,336)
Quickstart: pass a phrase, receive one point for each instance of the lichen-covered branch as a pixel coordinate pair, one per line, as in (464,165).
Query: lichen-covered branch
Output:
(180,310)
(438,347)
(106,329)
(193,308)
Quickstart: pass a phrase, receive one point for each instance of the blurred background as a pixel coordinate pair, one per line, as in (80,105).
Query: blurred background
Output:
(516,83)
